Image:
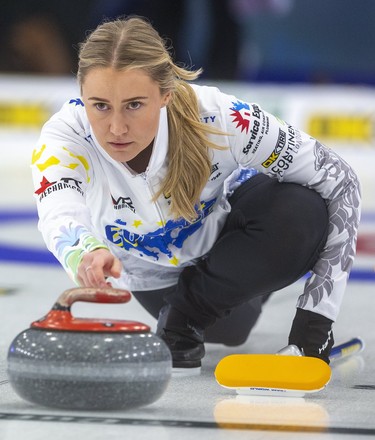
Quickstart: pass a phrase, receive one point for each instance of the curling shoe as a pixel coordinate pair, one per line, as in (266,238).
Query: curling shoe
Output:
(183,338)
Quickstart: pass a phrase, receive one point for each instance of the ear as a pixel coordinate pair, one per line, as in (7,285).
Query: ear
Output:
(166,99)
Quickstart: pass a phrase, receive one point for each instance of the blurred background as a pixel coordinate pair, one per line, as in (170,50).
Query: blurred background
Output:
(324,41)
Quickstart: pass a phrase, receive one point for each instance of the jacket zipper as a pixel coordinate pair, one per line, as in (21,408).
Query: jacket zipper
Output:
(156,204)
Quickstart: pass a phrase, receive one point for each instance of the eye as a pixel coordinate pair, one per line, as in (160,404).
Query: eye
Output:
(134,105)
(101,106)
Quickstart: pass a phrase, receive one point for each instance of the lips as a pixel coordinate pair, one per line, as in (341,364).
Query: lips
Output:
(118,145)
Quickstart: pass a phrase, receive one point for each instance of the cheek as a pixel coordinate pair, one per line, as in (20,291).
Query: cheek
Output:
(98,124)
(150,126)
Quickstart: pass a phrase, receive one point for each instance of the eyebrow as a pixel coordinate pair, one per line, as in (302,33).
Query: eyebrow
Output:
(134,98)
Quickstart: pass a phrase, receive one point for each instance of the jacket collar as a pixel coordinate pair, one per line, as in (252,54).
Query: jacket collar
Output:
(160,149)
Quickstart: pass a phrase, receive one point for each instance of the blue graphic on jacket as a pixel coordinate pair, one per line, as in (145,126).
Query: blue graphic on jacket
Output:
(246,174)
(173,233)
(77,101)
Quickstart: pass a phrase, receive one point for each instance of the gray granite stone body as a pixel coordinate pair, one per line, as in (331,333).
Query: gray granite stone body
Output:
(88,370)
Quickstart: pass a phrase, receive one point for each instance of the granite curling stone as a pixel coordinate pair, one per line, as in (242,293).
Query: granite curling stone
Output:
(88,364)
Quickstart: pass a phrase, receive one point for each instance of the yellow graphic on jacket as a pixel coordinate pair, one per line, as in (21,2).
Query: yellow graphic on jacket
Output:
(42,165)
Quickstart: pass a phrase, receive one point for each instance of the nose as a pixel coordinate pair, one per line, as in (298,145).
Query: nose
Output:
(118,124)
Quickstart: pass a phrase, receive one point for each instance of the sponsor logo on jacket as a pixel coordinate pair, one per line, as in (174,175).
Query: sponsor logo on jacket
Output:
(215,169)
(286,158)
(207,119)
(47,187)
(123,202)
(259,128)
(241,115)
(280,144)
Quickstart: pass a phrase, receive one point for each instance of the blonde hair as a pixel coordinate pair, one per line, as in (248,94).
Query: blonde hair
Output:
(132,43)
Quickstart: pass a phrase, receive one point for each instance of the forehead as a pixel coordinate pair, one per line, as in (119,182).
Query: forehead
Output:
(113,82)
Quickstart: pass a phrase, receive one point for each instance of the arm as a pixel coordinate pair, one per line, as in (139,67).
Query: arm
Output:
(305,161)
(62,173)
(318,306)
(287,154)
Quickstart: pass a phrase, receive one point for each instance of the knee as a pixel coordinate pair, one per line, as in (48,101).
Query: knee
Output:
(303,224)
(301,210)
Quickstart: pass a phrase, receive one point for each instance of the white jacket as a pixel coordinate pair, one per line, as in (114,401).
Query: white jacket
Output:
(87,200)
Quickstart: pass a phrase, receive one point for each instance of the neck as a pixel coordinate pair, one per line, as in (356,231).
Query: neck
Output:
(140,162)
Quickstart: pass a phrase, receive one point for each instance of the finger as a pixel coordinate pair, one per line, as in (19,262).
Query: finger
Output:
(116,268)
(94,277)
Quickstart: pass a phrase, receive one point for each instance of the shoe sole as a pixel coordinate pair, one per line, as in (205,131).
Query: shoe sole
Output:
(184,372)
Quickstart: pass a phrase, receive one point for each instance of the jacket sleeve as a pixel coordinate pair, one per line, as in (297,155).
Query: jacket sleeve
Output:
(260,140)
(62,171)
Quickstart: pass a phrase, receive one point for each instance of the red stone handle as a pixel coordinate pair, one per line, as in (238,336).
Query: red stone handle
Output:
(60,317)
(92,294)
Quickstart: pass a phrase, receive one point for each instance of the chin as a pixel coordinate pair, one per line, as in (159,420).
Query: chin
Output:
(120,157)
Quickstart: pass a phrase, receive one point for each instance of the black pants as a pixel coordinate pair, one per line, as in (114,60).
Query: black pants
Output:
(271,238)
